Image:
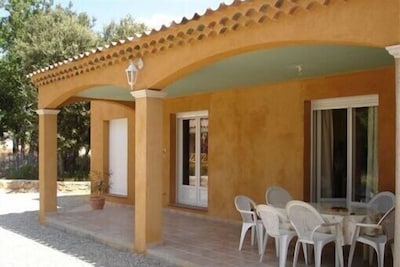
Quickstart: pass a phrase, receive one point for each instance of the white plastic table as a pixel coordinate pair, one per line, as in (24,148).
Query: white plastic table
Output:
(347,218)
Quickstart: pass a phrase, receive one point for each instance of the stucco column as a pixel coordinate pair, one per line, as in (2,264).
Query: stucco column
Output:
(47,162)
(148,168)
(395,51)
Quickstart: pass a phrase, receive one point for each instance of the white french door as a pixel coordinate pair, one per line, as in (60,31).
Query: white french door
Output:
(192,158)
(345,149)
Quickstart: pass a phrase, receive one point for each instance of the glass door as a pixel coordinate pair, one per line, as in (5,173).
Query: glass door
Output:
(330,155)
(345,149)
(192,167)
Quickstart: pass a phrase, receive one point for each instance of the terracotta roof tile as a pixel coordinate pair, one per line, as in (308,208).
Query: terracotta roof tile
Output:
(238,15)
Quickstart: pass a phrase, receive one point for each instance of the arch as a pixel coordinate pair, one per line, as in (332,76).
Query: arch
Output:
(320,25)
(54,95)
(219,35)
(177,72)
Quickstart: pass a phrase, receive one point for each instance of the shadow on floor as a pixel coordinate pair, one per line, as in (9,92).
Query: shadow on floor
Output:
(26,224)
(189,240)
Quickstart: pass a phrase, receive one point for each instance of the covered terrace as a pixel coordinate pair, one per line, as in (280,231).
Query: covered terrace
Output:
(255,66)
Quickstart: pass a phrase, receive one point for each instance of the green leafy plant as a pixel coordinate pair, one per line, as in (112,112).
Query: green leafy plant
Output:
(99,182)
(29,172)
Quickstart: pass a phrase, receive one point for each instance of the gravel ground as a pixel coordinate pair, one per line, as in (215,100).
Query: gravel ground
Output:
(24,242)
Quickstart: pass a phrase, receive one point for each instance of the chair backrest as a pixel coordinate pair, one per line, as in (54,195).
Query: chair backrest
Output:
(276,195)
(244,203)
(304,218)
(270,219)
(382,202)
(388,222)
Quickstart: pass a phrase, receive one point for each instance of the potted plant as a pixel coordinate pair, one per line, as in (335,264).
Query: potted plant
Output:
(99,186)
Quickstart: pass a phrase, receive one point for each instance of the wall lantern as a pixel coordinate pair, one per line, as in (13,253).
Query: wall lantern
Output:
(132,71)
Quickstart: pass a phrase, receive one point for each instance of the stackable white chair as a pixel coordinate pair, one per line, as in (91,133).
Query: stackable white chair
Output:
(279,197)
(247,209)
(276,195)
(382,202)
(378,241)
(271,219)
(306,220)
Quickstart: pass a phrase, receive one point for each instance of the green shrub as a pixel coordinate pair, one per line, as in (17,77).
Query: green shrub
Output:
(76,175)
(28,172)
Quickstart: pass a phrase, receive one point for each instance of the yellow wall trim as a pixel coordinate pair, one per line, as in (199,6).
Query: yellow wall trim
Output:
(47,111)
(148,93)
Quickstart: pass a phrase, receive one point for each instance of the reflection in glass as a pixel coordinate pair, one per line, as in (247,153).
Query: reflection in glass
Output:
(195,138)
(333,153)
(204,152)
(346,144)
(365,148)
(188,151)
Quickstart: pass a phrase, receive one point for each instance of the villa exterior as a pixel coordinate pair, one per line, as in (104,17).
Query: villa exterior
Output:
(300,94)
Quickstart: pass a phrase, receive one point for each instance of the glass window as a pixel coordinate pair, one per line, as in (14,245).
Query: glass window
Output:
(192,158)
(345,151)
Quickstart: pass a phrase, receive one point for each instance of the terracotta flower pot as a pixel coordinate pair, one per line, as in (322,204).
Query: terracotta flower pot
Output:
(97,202)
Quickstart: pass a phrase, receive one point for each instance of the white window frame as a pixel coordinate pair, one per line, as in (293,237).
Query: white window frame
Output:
(348,103)
(179,118)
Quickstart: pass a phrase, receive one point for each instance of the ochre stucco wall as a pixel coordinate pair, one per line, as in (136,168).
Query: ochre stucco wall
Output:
(101,113)
(256,135)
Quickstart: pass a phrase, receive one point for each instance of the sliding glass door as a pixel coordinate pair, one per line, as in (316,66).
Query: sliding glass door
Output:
(344,149)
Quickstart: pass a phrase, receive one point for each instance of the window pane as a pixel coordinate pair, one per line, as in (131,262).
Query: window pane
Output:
(188,151)
(333,153)
(204,153)
(340,153)
(365,158)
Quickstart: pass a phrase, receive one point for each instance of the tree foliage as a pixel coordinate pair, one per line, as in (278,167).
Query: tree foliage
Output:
(35,34)
(127,27)
(54,35)
(18,118)
(18,12)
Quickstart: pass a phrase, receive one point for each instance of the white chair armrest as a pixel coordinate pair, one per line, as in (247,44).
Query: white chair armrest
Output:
(247,212)
(329,224)
(252,213)
(324,225)
(369,225)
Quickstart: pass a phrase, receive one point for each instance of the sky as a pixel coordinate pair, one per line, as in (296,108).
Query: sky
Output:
(153,13)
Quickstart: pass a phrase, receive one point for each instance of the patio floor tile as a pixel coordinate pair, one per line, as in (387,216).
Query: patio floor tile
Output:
(189,240)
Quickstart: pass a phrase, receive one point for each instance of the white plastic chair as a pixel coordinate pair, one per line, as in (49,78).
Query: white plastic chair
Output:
(247,209)
(271,219)
(382,202)
(276,195)
(378,241)
(306,220)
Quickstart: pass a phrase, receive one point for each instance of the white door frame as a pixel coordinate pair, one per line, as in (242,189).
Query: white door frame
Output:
(192,194)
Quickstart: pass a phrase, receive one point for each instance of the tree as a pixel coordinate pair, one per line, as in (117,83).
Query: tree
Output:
(127,27)
(12,25)
(52,36)
(41,36)
(17,116)
(35,34)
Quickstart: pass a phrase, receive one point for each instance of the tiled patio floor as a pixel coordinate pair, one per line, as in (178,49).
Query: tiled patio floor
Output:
(189,239)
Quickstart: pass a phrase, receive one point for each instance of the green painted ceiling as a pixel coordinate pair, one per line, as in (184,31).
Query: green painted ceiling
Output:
(109,92)
(266,66)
